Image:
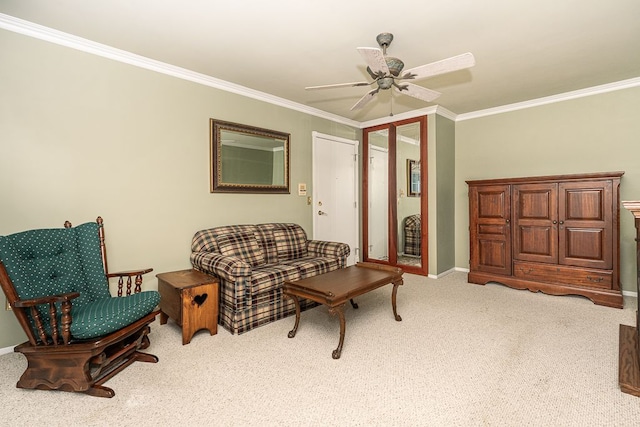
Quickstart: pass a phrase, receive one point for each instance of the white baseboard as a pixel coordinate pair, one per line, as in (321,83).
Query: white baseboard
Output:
(446,273)
(6,350)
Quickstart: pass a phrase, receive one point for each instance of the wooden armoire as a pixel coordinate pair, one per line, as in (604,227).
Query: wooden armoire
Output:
(556,234)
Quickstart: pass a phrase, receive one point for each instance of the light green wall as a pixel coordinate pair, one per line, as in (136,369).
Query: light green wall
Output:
(599,133)
(441,167)
(445,184)
(83,136)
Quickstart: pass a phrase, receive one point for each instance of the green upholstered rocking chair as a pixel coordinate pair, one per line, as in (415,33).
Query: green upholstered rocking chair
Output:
(56,282)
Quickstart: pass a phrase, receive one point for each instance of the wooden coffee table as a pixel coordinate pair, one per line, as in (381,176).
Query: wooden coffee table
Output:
(335,288)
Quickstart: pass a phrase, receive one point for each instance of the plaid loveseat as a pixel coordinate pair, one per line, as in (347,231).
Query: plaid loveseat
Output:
(252,263)
(412,235)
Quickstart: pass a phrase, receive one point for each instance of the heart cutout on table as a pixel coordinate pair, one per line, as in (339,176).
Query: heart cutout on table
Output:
(199,299)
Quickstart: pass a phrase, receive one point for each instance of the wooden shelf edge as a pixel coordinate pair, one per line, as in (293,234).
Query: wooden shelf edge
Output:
(628,369)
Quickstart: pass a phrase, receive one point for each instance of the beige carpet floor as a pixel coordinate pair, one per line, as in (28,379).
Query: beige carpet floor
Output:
(463,355)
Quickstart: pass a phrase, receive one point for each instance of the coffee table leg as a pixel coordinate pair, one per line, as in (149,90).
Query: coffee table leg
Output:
(292,333)
(339,311)
(393,300)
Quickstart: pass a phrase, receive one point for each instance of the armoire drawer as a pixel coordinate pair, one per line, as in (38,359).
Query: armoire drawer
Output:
(562,275)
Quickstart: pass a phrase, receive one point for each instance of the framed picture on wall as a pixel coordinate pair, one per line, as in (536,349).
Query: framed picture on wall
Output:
(413,178)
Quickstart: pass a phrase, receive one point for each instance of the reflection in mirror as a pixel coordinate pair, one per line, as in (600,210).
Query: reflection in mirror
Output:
(378,209)
(248,159)
(409,195)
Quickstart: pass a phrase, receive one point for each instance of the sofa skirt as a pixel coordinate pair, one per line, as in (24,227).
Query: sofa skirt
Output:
(248,318)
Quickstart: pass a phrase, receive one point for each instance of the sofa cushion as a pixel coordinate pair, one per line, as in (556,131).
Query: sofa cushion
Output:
(206,240)
(291,242)
(264,234)
(270,277)
(313,265)
(243,246)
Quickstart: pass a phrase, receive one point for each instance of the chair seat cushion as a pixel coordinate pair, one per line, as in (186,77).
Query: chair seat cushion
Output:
(106,315)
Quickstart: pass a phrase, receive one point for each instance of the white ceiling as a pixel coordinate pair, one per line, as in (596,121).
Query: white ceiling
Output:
(524,49)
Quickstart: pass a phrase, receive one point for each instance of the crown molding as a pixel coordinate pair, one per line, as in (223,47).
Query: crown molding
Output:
(31,29)
(402,116)
(595,90)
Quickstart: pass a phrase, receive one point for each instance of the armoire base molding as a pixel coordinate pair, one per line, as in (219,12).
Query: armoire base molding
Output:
(607,298)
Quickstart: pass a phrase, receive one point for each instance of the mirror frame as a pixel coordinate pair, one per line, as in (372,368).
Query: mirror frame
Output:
(217,185)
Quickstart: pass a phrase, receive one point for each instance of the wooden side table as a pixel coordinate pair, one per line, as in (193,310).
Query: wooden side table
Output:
(191,299)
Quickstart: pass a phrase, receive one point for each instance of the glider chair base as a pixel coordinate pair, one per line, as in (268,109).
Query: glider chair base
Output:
(84,366)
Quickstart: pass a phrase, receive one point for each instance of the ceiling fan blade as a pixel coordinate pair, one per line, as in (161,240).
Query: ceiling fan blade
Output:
(375,59)
(418,91)
(455,63)
(338,85)
(365,99)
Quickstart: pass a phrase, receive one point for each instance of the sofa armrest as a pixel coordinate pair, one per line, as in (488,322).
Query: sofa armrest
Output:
(224,267)
(328,249)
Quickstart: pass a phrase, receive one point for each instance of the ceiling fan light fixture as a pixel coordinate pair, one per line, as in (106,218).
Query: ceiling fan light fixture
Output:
(395,65)
(385,83)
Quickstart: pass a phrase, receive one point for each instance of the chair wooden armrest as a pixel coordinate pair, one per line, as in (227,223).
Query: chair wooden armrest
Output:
(46,300)
(129,275)
(65,320)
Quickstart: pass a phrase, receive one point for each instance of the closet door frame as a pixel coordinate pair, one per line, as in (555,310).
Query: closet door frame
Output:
(392,187)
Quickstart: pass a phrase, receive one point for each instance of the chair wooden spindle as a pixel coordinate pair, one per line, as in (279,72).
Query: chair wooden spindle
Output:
(66,322)
(129,285)
(138,284)
(120,283)
(53,322)
(36,318)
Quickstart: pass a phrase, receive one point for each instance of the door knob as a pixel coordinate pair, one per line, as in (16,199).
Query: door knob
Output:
(321,213)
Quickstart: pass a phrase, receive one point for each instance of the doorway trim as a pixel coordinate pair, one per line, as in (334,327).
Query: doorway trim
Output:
(354,244)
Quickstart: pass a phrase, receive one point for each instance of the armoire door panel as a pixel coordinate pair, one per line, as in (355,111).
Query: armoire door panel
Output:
(493,255)
(585,204)
(586,224)
(491,228)
(492,204)
(535,240)
(584,243)
(535,222)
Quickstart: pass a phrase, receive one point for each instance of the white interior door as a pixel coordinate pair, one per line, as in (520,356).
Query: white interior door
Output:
(335,192)
(378,203)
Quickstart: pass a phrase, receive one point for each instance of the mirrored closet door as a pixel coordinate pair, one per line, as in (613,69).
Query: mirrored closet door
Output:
(394,197)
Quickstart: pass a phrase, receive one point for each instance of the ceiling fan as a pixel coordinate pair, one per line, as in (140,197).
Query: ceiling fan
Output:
(387,72)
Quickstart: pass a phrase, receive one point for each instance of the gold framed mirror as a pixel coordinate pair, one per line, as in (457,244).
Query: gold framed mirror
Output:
(248,159)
